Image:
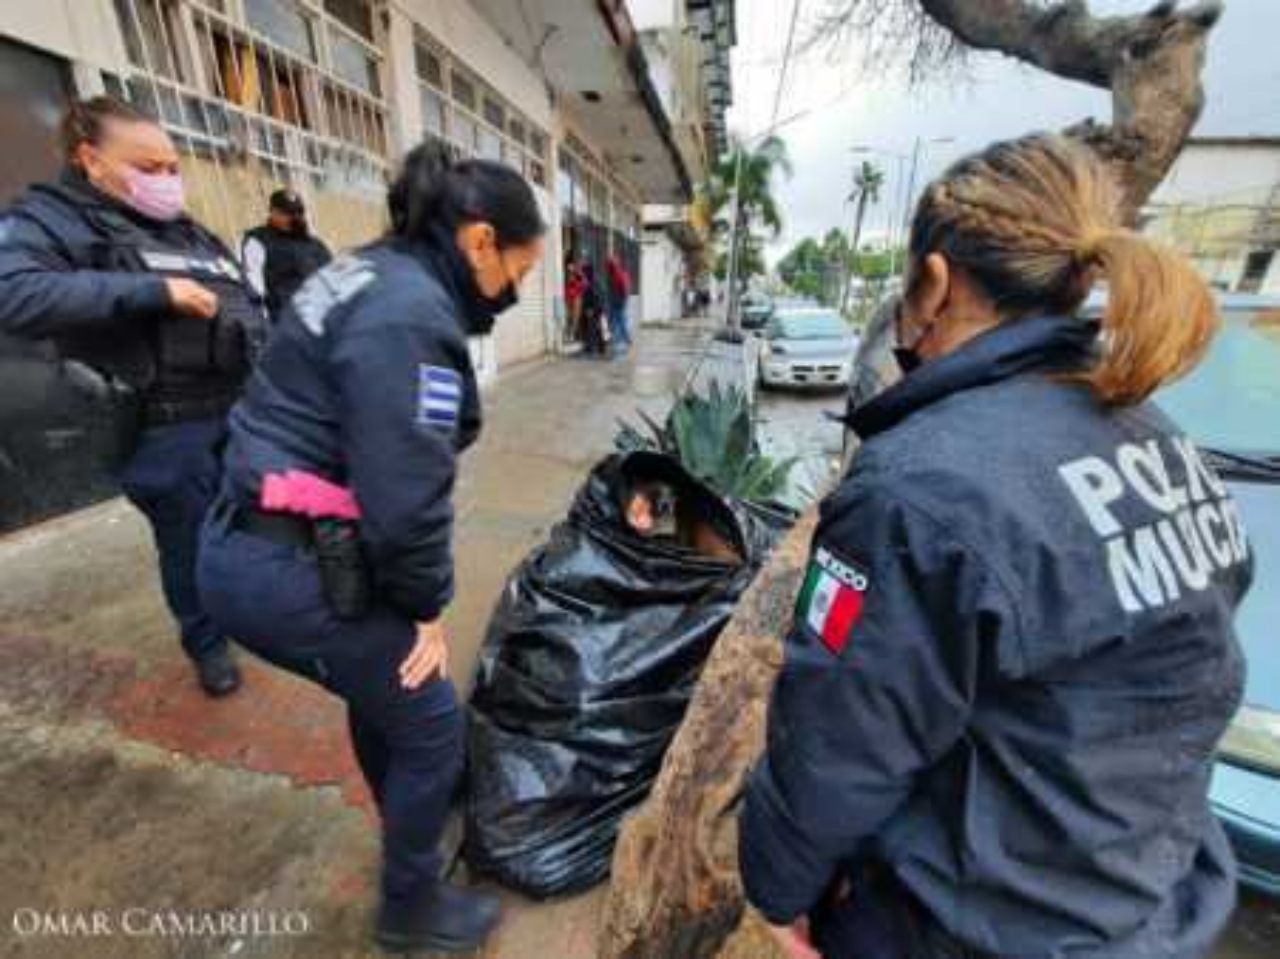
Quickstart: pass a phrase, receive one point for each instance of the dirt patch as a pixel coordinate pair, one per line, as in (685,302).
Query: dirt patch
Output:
(131,833)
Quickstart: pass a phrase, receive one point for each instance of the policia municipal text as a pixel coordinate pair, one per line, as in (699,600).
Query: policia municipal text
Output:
(345,449)
(152,312)
(992,734)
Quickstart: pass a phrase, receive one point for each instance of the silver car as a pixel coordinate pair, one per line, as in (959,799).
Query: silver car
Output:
(807,347)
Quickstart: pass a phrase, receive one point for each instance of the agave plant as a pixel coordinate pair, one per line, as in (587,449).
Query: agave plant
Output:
(713,437)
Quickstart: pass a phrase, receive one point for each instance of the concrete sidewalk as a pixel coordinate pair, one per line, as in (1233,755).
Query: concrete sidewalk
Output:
(125,792)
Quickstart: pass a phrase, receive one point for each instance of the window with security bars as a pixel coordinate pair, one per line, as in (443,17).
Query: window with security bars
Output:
(460,109)
(261,84)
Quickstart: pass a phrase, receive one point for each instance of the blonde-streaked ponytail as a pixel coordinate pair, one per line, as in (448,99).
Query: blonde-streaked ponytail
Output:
(1035,223)
(1158,321)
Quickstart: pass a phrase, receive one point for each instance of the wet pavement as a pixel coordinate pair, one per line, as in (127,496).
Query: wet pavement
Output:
(122,788)
(125,793)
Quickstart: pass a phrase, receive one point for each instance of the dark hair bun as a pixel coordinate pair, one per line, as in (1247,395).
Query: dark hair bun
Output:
(435,189)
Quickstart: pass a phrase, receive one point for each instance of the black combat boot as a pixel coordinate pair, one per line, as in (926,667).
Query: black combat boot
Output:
(218,673)
(447,918)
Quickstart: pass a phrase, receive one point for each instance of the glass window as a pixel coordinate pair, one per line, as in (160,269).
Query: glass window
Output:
(353,62)
(564,185)
(489,145)
(538,172)
(433,111)
(538,143)
(464,92)
(282,22)
(151,38)
(464,131)
(808,326)
(494,113)
(1231,400)
(428,66)
(516,129)
(353,14)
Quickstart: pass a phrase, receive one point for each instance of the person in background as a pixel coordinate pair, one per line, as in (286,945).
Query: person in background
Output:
(619,292)
(593,318)
(1013,654)
(574,286)
(330,550)
(279,255)
(105,263)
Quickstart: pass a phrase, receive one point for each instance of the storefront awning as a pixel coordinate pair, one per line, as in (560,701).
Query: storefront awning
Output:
(590,55)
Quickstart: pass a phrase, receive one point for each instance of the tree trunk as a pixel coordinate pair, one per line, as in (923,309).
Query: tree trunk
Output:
(853,252)
(675,892)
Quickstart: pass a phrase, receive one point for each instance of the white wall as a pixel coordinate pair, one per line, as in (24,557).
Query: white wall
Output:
(83,30)
(656,14)
(661,278)
(1205,173)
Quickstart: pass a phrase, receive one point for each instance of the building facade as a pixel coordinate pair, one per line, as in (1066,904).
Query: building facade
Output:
(1220,205)
(687,45)
(325,95)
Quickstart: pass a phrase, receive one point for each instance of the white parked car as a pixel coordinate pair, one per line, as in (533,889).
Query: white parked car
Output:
(807,347)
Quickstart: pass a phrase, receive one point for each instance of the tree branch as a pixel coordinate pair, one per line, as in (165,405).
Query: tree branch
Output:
(1152,64)
(1064,38)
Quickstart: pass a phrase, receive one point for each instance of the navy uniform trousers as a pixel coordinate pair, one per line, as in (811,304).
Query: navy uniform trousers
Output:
(409,743)
(173,478)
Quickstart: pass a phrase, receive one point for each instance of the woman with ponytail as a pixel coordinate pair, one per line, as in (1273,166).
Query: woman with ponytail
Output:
(1013,655)
(329,553)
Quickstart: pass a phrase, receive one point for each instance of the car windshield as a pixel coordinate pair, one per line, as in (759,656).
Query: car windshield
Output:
(1231,401)
(809,326)
(1230,405)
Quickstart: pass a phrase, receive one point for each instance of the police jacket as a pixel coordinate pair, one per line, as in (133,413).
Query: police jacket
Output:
(1010,665)
(89,273)
(284,260)
(368,383)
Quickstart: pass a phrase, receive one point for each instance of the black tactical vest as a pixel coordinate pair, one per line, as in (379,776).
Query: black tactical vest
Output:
(188,351)
(290,259)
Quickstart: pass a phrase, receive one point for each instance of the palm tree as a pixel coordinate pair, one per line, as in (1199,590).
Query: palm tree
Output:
(751,170)
(867,182)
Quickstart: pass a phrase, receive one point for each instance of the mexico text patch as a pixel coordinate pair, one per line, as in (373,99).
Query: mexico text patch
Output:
(439,396)
(831,600)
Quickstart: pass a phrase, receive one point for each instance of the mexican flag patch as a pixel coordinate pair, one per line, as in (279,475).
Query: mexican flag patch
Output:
(831,599)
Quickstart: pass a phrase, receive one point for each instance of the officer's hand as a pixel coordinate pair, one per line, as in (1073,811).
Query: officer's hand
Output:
(430,655)
(794,940)
(191,299)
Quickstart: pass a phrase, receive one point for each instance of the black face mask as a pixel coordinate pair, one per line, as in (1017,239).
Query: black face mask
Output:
(505,300)
(908,356)
(484,310)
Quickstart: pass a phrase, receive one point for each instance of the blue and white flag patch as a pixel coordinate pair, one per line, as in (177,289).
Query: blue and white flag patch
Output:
(439,396)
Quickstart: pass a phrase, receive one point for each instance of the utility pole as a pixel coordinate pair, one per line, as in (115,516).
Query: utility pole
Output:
(916,152)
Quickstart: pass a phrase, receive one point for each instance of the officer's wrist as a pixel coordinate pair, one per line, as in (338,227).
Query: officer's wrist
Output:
(151,298)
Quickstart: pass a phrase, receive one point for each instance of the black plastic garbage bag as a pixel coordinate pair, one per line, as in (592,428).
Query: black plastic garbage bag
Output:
(589,663)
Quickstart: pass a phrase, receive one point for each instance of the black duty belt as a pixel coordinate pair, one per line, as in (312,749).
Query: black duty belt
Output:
(284,528)
(171,412)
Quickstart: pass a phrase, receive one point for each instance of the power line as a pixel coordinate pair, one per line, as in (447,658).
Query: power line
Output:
(786,62)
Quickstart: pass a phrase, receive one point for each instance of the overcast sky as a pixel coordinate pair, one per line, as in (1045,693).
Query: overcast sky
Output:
(839,108)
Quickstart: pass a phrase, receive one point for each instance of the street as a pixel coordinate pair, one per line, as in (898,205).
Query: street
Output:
(794,424)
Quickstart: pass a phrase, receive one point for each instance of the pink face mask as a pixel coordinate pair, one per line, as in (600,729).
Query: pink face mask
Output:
(155,195)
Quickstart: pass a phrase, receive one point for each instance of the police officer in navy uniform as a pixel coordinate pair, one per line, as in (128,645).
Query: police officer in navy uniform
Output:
(105,263)
(279,255)
(367,388)
(1013,655)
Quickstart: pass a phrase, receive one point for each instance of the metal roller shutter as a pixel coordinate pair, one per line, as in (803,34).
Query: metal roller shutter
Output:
(521,333)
